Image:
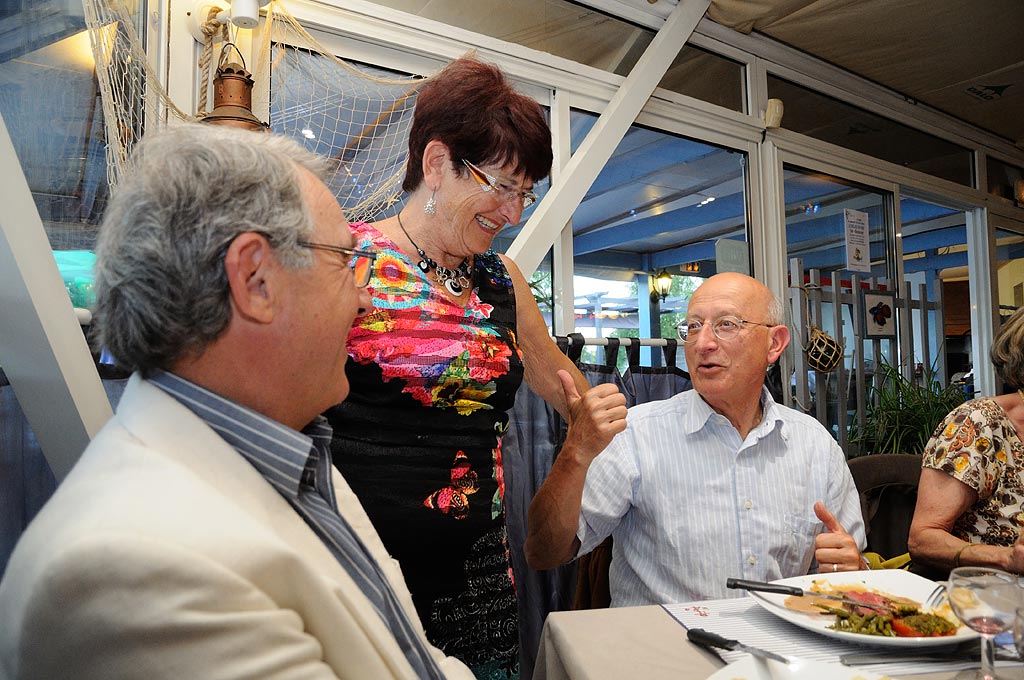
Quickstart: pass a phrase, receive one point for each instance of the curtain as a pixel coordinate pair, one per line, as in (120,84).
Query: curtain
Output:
(535,434)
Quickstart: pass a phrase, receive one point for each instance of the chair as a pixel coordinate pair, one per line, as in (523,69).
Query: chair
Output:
(887,484)
(592,588)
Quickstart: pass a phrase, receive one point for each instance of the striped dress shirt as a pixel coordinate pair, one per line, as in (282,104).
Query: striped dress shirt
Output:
(689,503)
(298,466)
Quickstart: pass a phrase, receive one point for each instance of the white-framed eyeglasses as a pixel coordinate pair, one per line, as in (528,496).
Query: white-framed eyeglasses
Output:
(505,192)
(360,261)
(724,327)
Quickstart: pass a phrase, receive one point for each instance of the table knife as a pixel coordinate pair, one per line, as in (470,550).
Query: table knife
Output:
(706,638)
(780,589)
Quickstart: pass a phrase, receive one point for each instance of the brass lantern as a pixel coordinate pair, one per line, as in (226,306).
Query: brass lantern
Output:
(232,98)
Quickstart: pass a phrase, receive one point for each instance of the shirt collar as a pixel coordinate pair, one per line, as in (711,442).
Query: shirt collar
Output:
(701,412)
(279,453)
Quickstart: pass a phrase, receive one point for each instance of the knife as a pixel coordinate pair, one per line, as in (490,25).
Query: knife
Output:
(706,638)
(780,589)
(965,651)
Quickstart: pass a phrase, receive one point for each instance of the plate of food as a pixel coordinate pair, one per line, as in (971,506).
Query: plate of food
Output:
(753,668)
(890,609)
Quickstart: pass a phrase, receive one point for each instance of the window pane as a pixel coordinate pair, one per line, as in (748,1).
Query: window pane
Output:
(662,202)
(1005,180)
(842,124)
(816,207)
(935,255)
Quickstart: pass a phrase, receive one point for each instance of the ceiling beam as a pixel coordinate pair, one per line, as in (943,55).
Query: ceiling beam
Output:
(544,226)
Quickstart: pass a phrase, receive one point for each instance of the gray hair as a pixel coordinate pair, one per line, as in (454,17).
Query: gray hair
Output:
(776,311)
(188,192)
(1008,351)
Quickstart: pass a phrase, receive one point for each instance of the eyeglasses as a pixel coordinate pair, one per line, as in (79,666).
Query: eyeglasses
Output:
(361,261)
(724,328)
(505,192)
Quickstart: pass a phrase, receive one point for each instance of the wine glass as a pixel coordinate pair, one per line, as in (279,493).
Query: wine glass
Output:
(986,600)
(1018,632)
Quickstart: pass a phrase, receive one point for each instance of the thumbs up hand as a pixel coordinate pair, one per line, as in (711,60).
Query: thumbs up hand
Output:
(594,417)
(834,549)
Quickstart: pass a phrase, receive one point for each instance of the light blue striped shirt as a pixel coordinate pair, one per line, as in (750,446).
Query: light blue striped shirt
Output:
(689,503)
(298,466)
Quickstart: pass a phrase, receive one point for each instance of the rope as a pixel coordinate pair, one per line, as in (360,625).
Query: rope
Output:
(210,28)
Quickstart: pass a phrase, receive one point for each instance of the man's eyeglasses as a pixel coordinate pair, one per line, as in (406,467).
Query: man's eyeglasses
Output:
(507,193)
(724,327)
(361,261)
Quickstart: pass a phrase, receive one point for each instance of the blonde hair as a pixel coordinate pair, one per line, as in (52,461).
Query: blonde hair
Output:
(1008,351)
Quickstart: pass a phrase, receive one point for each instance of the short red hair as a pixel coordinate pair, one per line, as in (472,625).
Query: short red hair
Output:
(471,108)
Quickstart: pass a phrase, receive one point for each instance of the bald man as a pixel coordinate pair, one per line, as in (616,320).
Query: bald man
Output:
(716,482)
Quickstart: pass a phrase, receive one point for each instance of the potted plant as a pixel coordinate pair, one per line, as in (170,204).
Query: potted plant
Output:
(902,413)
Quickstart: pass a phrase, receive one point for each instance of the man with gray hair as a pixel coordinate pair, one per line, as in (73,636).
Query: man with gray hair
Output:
(716,482)
(204,532)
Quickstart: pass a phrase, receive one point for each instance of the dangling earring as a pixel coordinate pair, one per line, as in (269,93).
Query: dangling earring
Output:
(430,207)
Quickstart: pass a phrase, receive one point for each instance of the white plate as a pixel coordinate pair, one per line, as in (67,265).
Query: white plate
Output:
(891,581)
(751,668)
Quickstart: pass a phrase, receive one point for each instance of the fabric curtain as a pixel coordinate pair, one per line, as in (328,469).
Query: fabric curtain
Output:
(647,383)
(535,435)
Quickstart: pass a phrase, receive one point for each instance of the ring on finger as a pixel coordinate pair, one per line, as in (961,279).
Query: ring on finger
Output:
(835,567)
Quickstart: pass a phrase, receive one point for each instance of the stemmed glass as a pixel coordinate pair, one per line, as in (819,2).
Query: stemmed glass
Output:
(986,600)
(1018,632)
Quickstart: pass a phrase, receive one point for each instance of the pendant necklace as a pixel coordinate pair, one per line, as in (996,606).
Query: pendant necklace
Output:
(454,280)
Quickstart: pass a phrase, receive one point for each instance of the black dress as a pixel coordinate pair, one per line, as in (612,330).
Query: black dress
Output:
(419,441)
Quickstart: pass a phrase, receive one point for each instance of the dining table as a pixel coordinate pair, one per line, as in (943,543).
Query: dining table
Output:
(640,643)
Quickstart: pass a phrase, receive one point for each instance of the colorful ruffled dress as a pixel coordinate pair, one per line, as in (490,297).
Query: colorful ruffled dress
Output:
(419,441)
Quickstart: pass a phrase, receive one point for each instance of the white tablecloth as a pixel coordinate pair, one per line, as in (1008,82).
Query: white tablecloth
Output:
(636,643)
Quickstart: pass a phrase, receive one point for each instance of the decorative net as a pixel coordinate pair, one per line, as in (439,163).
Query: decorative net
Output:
(358,116)
(129,87)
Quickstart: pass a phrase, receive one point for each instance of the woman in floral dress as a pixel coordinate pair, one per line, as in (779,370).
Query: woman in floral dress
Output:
(970,503)
(435,366)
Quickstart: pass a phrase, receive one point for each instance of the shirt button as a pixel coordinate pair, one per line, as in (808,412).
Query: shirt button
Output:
(748,505)
(752,559)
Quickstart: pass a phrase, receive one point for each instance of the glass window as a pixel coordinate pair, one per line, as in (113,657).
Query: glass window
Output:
(662,203)
(50,102)
(1005,180)
(816,219)
(1009,265)
(845,125)
(935,256)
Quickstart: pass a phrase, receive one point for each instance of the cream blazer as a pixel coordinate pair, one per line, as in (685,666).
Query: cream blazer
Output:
(165,554)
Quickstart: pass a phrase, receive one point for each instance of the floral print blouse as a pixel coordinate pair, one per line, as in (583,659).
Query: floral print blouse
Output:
(979,446)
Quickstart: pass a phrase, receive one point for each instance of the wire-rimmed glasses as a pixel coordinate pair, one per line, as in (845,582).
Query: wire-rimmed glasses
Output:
(360,261)
(724,327)
(505,192)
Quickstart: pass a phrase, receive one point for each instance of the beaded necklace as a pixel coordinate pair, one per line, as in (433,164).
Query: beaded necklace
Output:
(454,280)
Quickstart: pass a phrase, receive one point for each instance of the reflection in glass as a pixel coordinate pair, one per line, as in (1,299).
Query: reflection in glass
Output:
(662,202)
(830,120)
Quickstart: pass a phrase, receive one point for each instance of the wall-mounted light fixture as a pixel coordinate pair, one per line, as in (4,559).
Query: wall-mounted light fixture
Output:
(662,286)
(773,113)
(240,13)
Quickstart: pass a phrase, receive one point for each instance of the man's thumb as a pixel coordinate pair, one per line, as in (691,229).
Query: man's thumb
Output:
(572,395)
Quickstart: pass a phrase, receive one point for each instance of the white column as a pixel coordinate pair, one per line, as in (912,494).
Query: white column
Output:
(579,174)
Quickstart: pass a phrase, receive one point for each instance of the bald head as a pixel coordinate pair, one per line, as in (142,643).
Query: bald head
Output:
(759,298)
(728,372)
